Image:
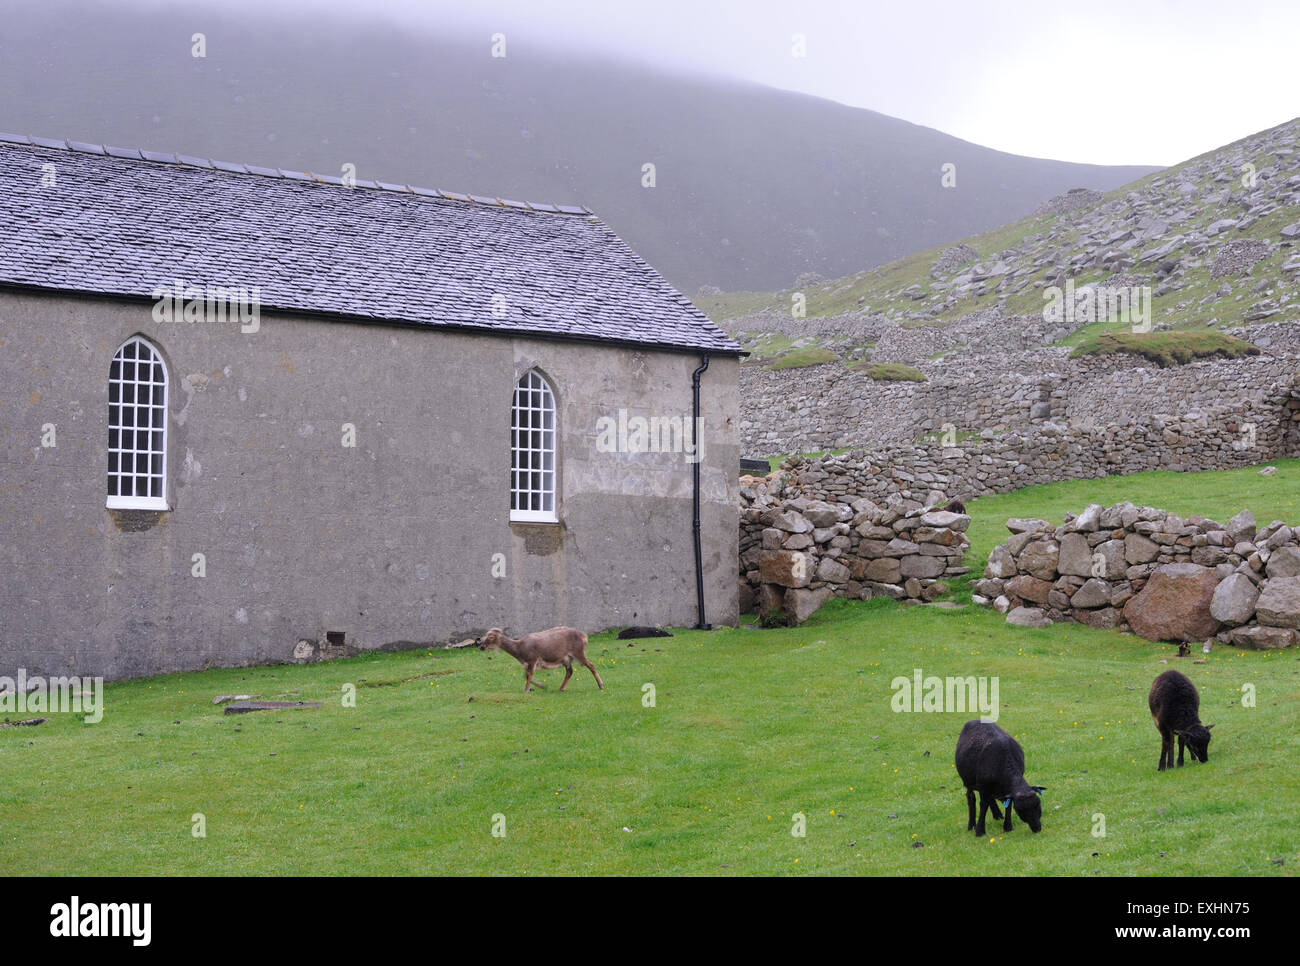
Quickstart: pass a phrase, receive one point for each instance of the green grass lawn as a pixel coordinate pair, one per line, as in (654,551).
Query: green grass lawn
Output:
(748,728)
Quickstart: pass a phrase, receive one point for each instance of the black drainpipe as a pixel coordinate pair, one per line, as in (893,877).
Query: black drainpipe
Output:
(703,625)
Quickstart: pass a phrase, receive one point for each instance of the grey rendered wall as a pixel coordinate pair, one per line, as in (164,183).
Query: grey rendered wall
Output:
(392,540)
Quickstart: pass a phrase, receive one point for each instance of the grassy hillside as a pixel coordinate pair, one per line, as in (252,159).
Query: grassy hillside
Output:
(1165,228)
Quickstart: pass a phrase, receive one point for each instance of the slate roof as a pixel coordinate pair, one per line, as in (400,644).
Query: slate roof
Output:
(125,222)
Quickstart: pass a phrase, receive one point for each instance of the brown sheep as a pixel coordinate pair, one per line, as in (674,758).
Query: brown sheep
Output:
(557,647)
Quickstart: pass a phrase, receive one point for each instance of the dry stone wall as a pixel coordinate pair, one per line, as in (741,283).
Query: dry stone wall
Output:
(795,554)
(830,407)
(990,462)
(1161,576)
(833,407)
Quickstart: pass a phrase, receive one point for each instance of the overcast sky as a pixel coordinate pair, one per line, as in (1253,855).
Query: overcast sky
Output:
(1111,82)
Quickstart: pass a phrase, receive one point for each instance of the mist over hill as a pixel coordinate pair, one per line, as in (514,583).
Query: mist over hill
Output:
(753,185)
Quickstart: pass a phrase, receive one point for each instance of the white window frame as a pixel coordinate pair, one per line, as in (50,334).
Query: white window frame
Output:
(538,418)
(134,502)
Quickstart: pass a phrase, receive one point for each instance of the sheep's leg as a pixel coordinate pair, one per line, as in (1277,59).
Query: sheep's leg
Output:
(528,677)
(970,810)
(997,812)
(1006,826)
(984,808)
(592,668)
(1166,751)
(568,673)
(1181,743)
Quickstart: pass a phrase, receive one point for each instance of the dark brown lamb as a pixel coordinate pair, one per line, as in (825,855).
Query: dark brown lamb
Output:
(991,762)
(1175,708)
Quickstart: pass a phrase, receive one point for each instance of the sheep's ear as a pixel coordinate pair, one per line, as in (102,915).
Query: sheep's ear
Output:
(1208,727)
(1040,789)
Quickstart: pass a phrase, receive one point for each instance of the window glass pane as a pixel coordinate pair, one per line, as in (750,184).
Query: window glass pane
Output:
(532,441)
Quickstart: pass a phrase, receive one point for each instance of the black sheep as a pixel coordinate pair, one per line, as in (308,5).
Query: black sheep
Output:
(991,762)
(1175,705)
(954,506)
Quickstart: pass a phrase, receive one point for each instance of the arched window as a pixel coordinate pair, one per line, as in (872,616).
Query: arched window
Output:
(532,448)
(137,428)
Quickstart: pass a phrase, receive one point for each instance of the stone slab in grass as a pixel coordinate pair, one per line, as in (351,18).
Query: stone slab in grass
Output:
(243,707)
(1028,617)
(224,698)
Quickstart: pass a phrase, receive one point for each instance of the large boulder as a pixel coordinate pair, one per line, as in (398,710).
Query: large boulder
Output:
(832,571)
(1094,593)
(1234,600)
(788,568)
(885,570)
(1242,527)
(1039,559)
(1020,525)
(1139,550)
(1108,560)
(801,603)
(822,514)
(791,522)
(1175,604)
(1089,521)
(1029,588)
(1001,563)
(1262,638)
(1279,604)
(1104,618)
(919,566)
(1284,562)
(946,520)
(1075,556)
